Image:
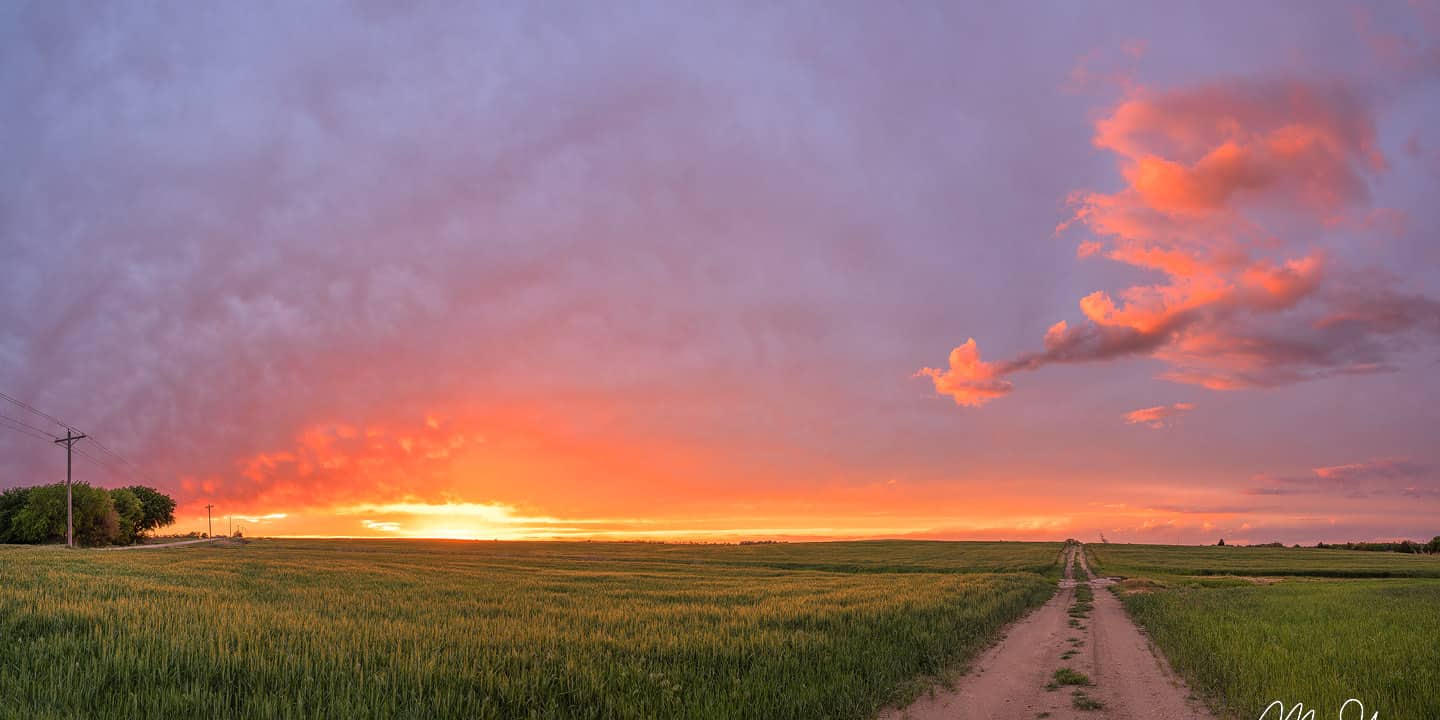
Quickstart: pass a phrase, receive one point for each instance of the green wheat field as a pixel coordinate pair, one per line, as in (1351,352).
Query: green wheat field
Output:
(407,629)
(1247,626)
(410,629)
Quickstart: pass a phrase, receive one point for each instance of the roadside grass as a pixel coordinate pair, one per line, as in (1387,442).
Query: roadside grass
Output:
(382,629)
(1319,642)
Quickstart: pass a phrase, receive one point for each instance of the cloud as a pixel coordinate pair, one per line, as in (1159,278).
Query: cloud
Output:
(628,250)
(1158,417)
(1229,189)
(658,275)
(971,381)
(329,463)
(1375,477)
(1209,509)
(260,518)
(482,512)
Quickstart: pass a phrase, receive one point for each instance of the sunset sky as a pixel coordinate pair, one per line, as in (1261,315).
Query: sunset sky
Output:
(718,270)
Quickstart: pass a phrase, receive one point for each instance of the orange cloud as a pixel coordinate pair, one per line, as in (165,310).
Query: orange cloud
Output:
(971,381)
(1158,417)
(338,462)
(1207,169)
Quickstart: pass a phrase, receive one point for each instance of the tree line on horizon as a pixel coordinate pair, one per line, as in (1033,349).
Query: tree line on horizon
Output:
(1403,546)
(1400,546)
(36,515)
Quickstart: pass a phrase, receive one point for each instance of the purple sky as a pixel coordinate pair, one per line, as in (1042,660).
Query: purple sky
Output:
(676,267)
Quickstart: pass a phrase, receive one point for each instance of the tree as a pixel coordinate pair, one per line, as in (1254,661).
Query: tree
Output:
(101,517)
(131,514)
(11,501)
(96,522)
(158,509)
(1434,545)
(1221,543)
(42,519)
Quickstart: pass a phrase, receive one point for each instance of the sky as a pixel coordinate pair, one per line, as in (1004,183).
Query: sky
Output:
(1159,272)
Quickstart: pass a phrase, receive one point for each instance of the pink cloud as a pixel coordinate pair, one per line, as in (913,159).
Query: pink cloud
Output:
(1207,171)
(971,381)
(1158,417)
(1378,476)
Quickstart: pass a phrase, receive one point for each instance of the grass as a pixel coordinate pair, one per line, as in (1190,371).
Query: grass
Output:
(1080,700)
(362,629)
(1151,560)
(1084,602)
(1309,638)
(1067,676)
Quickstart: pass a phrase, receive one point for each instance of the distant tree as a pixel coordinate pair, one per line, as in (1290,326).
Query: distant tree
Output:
(1434,545)
(1221,543)
(96,522)
(158,508)
(11,501)
(131,515)
(101,517)
(42,519)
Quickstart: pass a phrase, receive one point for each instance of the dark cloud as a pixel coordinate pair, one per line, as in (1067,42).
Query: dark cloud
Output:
(1377,477)
(670,246)
(223,228)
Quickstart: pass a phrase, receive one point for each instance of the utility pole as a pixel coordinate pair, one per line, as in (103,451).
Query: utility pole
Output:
(208,526)
(231,520)
(69,442)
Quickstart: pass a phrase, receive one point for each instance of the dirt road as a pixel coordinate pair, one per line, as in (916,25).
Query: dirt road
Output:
(166,545)
(1013,680)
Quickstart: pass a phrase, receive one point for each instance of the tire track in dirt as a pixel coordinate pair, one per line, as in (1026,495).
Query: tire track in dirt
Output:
(1012,679)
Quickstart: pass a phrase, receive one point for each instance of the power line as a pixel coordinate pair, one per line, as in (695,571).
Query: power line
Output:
(134,473)
(104,465)
(72,436)
(137,471)
(24,429)
(41,413)
(97,462)
(28,425)
(30,431)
